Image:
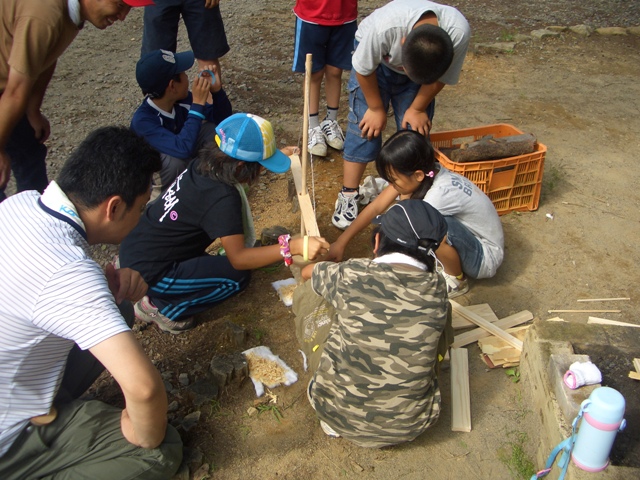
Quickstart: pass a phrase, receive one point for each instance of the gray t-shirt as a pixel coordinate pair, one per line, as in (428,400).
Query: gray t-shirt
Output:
(380,36)
(454,195)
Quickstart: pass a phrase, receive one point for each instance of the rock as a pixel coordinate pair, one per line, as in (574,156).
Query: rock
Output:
(585,30)
(251,411)
(204,392)
(227,368)
(500,47)
(611,31)
(521,38)
(183,378)
(190,420)
(202,473)
(543,33)
(173,406)
(633,30)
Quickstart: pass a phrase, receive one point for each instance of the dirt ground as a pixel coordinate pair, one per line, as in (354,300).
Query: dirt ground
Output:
(579,95)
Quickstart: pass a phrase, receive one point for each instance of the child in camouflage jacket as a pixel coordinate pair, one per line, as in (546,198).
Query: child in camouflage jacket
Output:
(373,331)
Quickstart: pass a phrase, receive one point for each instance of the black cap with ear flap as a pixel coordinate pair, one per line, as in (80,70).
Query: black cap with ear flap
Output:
(414,224)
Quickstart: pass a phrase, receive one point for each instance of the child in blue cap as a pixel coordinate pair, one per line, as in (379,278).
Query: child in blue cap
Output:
(206,202)
(175,121)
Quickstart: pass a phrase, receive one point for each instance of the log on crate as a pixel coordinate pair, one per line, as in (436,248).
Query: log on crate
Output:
(491,148)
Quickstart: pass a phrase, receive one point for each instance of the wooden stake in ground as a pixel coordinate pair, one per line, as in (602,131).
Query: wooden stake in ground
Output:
(308,222)
(305,134)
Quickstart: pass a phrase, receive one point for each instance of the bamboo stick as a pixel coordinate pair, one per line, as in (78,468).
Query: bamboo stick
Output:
(584,311)
(602,299)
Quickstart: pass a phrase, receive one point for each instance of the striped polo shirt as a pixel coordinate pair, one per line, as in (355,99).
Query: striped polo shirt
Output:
(52,295)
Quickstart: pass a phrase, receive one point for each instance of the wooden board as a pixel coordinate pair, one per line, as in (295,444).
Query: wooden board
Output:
(482,309)
(460,399)
(604,321)
(474,335)
(634,375)
(499,351)
(306,207)
(490,327)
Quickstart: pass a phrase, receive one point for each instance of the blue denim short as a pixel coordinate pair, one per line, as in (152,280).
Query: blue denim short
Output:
(396,89)
(466,244)
(329,45)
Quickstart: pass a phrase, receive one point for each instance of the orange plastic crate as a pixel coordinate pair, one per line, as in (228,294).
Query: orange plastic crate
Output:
(512,184)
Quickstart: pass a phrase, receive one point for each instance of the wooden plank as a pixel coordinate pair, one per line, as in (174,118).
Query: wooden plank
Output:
(306,207)
(636,364)
(494,345)
(474,335)
(634,375)
(490,327)
(460,398)
(604,321)
(482,309)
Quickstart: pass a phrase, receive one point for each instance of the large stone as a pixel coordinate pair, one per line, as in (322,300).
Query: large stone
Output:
(543,33)
(585,30)
(611,31)
(634,30)
(499,47)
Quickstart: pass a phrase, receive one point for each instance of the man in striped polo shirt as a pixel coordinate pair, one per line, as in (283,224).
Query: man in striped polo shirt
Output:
(57,300)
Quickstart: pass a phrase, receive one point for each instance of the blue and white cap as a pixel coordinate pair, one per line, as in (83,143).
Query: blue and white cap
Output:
(250,138)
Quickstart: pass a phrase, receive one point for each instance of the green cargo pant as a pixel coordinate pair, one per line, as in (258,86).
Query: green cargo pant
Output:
(85,442)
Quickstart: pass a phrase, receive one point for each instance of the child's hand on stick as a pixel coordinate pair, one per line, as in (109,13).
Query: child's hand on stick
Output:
(313,248)
(290,150)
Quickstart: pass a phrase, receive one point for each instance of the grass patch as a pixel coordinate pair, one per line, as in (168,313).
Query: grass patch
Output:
(270,407)
(514,456)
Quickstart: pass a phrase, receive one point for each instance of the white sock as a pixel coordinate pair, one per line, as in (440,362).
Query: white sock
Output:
(314,121)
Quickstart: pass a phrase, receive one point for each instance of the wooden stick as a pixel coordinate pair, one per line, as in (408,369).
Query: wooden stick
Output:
(460,398)
(305,133)
(474,335)
(604,321)
(636,364)
(602,299)
(306,208)
(489,327)
(584,311)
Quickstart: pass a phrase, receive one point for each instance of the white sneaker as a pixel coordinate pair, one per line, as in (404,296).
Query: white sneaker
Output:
(332,133)
(147,312)
(455,286)
(317,144)
(328,430)
(346,210)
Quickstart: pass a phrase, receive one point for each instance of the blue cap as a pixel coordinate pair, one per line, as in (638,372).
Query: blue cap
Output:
(155,70)
(250,138)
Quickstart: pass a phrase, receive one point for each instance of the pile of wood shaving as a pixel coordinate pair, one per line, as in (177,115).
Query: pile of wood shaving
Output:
(265,370)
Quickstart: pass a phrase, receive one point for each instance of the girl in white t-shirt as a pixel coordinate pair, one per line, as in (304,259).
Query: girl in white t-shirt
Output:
(474,244)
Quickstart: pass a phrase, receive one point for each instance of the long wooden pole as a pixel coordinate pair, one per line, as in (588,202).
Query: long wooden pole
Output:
(305,132)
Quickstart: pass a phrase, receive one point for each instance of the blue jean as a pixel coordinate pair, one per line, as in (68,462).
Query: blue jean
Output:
(27,159)
(396,89)
(466,244)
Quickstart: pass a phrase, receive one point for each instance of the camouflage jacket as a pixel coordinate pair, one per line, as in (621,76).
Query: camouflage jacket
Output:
(375,384)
